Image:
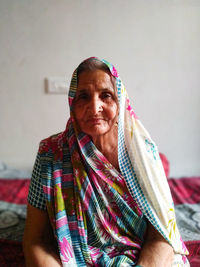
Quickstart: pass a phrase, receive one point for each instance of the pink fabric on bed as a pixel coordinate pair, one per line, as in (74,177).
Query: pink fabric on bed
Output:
(194,249)
(14,190)
(185,190)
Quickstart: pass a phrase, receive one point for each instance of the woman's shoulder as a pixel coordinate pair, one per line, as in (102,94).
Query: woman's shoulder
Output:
(53,142)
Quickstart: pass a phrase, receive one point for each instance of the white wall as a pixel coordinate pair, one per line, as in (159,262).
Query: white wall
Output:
(154,45)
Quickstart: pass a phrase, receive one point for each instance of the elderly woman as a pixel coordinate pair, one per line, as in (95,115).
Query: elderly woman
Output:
(98,194)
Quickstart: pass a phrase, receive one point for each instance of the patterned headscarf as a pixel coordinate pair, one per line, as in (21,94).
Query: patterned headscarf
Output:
(139,163)
(141,166)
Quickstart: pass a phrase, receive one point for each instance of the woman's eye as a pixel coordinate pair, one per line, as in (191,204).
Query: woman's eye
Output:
(83,96)
(106,95)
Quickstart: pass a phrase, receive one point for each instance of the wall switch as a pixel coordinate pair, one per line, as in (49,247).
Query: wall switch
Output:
(57,85)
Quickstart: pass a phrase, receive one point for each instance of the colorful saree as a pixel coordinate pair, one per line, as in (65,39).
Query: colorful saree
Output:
(99,215)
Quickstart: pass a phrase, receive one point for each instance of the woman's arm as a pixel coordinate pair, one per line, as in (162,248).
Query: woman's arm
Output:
(156,251)
(38,242)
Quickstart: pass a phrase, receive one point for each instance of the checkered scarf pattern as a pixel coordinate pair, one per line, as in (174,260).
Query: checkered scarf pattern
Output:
(139,164)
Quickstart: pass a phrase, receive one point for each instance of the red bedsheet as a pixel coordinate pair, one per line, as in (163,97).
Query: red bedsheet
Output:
(14,190)
(185,190)
(185,193)
(186,196)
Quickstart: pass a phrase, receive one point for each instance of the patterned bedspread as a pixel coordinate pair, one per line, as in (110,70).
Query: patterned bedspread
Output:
(13,195)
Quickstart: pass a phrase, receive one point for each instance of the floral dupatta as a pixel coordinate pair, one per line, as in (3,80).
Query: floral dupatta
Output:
(67,161)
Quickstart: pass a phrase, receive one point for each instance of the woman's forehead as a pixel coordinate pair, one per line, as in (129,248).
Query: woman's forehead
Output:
(98,78)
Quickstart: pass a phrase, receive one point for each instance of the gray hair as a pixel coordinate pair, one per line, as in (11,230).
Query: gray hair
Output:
(93,64)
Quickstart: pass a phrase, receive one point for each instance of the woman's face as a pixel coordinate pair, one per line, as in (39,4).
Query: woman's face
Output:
(95,106)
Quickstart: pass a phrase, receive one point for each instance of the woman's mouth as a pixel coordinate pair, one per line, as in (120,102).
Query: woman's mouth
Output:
(94,120)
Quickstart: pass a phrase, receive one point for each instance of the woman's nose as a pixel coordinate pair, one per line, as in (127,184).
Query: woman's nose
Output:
(95,105)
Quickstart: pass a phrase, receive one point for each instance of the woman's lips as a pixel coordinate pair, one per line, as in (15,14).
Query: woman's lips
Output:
(94,120)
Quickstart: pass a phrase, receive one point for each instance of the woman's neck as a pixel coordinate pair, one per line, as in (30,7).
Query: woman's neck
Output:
(108,145)
(108,142)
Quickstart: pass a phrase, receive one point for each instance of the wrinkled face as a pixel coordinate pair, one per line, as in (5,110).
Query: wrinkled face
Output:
(95,106)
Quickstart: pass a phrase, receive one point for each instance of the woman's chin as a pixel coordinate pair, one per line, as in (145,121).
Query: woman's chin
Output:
(96,131)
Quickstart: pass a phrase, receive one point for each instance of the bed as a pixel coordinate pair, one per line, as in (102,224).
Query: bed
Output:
(13,200)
